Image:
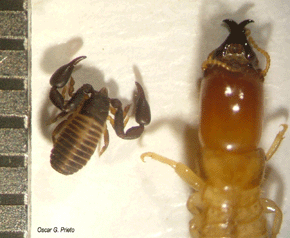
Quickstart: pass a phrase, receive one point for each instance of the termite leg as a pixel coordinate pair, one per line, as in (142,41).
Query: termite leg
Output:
(142,116)
(106,141)
(276,143)
(181,169)
(270,206)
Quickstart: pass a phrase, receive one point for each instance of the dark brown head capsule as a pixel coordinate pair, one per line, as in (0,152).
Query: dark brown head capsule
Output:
(236,50)
(232,95)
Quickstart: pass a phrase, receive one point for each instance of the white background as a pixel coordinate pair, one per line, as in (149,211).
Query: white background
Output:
(164,43)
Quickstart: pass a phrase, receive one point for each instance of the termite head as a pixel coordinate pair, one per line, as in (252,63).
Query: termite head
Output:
(236,50)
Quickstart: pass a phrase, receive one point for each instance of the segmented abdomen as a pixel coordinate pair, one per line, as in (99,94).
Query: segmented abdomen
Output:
(218,216)
(76,143)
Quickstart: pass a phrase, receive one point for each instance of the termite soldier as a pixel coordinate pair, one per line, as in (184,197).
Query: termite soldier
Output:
(227,199)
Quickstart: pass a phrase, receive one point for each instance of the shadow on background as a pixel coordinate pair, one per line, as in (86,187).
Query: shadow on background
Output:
(212,35)
(58,55)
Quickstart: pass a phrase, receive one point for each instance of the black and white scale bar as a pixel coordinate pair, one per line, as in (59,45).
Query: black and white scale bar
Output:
(12,44)
(12,83)
(12,122)
(13,234)
(12,161)
(15,5)
(12,199)
(14,118)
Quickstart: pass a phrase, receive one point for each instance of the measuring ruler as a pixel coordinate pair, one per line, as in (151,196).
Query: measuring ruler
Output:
(14,118)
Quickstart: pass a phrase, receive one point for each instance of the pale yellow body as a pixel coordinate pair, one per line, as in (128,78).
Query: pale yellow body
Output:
(229,211)
(227,200)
